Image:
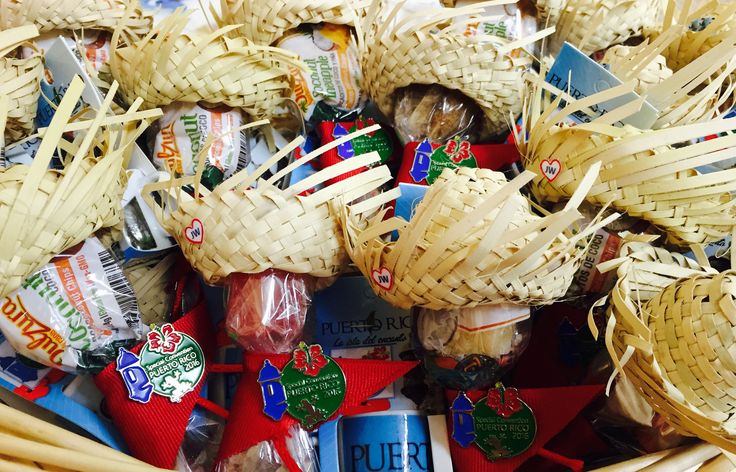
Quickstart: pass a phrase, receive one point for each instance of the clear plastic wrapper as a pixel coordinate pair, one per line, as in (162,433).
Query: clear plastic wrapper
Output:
(75,312)
(263,457)
(436,113)
(266,312)
(471,348)
(201,441)
(625,418)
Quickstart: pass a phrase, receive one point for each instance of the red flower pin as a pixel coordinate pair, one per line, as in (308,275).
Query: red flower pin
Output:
(164,340)
(309,359)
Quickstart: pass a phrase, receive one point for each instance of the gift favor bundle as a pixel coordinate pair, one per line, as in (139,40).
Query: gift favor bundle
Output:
(372,235)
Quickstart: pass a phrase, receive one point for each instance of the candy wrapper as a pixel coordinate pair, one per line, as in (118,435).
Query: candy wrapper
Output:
(75,312)
(330,87)
(470,348)
(512,21)
(436,113)
(266,312)
(182,132)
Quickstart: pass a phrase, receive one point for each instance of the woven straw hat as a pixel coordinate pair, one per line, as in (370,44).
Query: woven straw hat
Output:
(472,241)
(46,211)
(266,22)
(704,27)
(235,229)
(643,174)
(52,15)
(150,279)
(424,49)
(592,25)
(168,66)
(675,345)
(654,73)
(19,81)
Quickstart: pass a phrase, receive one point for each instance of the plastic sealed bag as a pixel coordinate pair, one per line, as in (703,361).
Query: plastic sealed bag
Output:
(201,441)
(435,113)
(266,312)
(75,312)
(471,348)
(263,457)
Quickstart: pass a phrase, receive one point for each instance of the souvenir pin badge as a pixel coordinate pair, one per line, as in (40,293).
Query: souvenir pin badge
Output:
(311,387)
(499,424)
(171,364)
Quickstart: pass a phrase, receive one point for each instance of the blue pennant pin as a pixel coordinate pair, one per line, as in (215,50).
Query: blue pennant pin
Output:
(463,430)
(422,158)
(135,378)
(344,150)
(274,394)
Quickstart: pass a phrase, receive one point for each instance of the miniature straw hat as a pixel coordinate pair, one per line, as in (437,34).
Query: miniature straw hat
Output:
(169,66)
(677,346)
(237,229)
(704,27)
(593,25)
(425,49)
(472,241)
(643,174)
(150,279)
(618,58)
(266,22)
(53,15)
(47,211)
(19,81)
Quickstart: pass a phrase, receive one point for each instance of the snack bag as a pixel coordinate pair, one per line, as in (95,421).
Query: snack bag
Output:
(182,132)
(333,75)
(75,312)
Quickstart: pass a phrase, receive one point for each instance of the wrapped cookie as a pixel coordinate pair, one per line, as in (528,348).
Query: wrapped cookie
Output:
(435,113)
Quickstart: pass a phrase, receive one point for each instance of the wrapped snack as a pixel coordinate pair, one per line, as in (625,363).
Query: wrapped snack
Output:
(182,132)
(263,457)
(330,88)
(471,348)
(436,113)
(75,312)
(512,21)
(201,440)
(266,311)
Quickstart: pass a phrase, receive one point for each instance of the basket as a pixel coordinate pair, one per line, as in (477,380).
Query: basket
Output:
(19,81)
(676,348)
(54,15)
(593,25)
(47,211)
(168,66)
(642,174)
(266,22)
(237,229)
(472,241)
(425,49)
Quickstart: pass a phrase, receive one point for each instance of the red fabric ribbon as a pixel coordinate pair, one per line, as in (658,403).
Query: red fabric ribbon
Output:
(155,430)
(248,425)
(554,408)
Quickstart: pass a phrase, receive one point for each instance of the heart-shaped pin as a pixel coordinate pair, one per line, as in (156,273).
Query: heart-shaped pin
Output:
(194,232)
(550,169)
(383,278)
